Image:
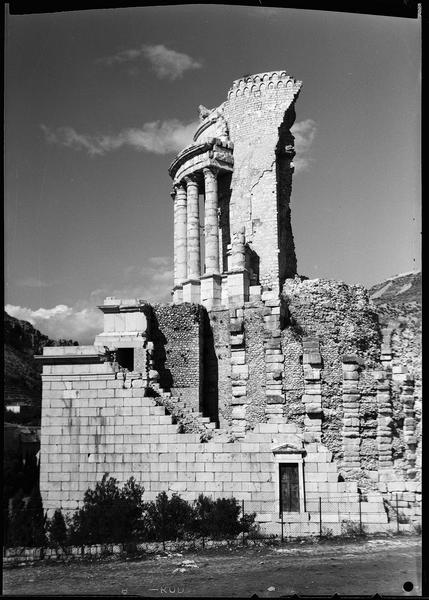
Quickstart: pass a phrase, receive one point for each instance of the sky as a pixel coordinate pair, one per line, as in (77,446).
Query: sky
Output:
(98,102)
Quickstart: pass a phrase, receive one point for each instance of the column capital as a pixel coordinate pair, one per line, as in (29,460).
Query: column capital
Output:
(178,189)
(210,171)
(191,179)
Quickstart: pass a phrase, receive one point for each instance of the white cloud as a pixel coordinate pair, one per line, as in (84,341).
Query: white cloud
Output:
(167,63)
(62,321)
(304,133)
(158,137)
(83,321)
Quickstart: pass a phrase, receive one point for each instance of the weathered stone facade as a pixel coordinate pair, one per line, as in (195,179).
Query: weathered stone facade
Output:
(241,160)
(251,369)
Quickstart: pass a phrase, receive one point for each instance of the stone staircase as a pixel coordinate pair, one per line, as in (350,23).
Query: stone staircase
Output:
(190,419)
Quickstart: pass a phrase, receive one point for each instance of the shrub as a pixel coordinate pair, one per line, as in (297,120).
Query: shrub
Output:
(352,528)
(248,524)
(203,510)
(417,528)
(220,518)
(168,519)
(327,533)
(109,514)
(58,529)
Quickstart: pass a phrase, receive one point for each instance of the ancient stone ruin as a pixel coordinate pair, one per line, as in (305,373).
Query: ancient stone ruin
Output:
(254,382)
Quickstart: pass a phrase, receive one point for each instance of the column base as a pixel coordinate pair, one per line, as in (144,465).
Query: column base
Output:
(238,287)
(177,293)
(192,291)
(211,290)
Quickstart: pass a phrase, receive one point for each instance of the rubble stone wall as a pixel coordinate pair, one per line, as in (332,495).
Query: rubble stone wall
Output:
(219,324)
(253,341)
(177,333)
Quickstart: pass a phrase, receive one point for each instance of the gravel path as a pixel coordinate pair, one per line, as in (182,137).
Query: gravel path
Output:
(375,566)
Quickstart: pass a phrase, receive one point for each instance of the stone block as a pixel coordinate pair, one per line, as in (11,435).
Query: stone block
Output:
(238,400)
(351,358)
(350,375)
(239,412)
(274,358)
(313,358)
(275,399)
(396,486)
(238,390)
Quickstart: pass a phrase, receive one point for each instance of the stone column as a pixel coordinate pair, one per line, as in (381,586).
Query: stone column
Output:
(193,230)
(211,281)
(211,225)
(180,235)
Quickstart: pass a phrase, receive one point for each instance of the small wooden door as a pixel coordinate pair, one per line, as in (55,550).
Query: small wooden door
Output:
(289,487)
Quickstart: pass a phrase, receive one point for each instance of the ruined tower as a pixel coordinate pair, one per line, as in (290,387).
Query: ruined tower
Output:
(241,162)
(254,383)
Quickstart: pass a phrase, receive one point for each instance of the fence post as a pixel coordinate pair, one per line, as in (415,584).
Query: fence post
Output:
(242,516)
(360,512)
(320,516)
(163,528)
(397,513)
(281,516)
(203,523)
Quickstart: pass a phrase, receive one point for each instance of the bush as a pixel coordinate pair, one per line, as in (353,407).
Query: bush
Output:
(113,515)
(220,518)
(352,528)
(58,529)
(109,514)
(168,519)
(175,519)
(327,533)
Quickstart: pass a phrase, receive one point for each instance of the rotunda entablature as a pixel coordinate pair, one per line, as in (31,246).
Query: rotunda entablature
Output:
(213,152)
(213,124)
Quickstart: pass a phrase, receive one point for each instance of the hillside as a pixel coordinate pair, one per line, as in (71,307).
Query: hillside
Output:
(22,381)
(404,288)
(398,302)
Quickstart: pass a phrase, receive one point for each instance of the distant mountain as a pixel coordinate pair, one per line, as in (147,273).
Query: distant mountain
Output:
(398,303)
(22,373)
(400,289)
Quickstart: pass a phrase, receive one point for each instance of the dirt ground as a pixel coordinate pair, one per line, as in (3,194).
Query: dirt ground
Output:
(380,565)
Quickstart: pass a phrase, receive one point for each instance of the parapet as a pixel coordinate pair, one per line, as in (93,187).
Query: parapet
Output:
(261,82)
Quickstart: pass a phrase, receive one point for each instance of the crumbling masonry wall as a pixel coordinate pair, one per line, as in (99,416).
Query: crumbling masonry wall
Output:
(259,113)
(178,337)
(95,421)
